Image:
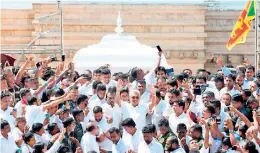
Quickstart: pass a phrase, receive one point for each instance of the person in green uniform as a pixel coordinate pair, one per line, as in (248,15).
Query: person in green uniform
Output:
(79,117)
(69,124)
(165,131)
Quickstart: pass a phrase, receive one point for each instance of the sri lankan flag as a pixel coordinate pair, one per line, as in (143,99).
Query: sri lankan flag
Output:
(242,26)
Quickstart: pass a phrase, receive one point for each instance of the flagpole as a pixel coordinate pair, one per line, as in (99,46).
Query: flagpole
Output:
(256,40)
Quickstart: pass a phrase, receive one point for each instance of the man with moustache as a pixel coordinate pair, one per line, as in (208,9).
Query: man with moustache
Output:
(172,145)
(104,126)
(119,145)
(150,144)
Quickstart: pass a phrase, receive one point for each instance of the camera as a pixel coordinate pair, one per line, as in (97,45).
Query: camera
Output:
(217,118)
(197,90)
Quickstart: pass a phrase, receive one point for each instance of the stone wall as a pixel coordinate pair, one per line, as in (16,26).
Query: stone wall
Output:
(218,29)
(190,35)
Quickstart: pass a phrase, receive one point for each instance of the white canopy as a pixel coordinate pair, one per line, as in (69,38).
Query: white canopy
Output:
(121,51)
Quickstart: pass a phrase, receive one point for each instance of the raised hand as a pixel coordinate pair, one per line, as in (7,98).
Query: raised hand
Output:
(185,84)
(247,62)
(219,61)
(109,119)
(79,150)
(86,111)
(229,124)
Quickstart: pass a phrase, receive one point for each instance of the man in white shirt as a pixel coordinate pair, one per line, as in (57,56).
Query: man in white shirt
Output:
(36,114)
(8,144)
(98,99)
(111,109)
(179,116)
(240,80)
(145,94)
(138,111)
(119,145)
(150,144)
(7,113)
(150,78)
(86,88)
(172,95)
(24,94)
(104,125)
(229,83)
(88,141)
(172,145)
(106,78)
(158,109)
(132,136)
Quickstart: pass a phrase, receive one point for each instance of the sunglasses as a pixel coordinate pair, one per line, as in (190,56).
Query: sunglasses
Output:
(135,97)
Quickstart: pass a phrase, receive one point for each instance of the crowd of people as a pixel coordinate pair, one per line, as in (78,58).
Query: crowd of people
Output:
(61,111)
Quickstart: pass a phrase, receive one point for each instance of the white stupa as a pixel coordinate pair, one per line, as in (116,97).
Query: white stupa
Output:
(120,50)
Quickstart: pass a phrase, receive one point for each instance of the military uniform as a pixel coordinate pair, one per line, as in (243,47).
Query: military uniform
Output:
(78,131)
(67,142)
(163,138)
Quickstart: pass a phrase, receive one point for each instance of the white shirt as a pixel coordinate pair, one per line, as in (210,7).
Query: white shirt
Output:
(133,140)
(26,149)
(111,83)
(16,133)
(179,150)
(8,117)
(174,121)
(7,145)
(95,101)
(124,109)
(158,112)
(85,89)
(34,114)
(138,114)
(153,147)
(19,109)
(150,79)
(145,97)
(88,143)
(44,138)
(114,112)
(231,92)
(120,147)
(168,110)
(245,85)
(104,127)
(54,118)
(54,147)
(215,91)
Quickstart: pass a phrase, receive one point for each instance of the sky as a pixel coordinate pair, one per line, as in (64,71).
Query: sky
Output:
(27,4)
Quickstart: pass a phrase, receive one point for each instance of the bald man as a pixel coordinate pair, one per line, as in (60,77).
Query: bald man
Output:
(88,141)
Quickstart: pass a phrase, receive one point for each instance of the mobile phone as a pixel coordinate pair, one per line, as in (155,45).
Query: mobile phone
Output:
(234,148)
(62,58)
(38,64)
(227,109)
(159,48)
(88,78)
(197,90)
(54,59)
(47,116)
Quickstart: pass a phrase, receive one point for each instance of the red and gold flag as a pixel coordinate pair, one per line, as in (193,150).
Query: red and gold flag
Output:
(242,26)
